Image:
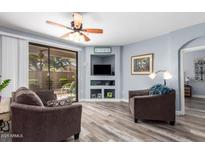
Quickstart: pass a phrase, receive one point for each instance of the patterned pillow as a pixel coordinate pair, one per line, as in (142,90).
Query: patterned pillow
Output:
(61,102)
(159,89)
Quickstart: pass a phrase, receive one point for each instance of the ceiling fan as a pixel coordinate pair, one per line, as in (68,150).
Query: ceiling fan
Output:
(77,30)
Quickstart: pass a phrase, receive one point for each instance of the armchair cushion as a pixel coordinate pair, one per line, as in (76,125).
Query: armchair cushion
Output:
(61,102)
(159,89)
(27,97)
(46,95)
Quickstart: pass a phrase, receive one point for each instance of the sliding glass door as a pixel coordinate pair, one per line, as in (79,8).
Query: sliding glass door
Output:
(55,69)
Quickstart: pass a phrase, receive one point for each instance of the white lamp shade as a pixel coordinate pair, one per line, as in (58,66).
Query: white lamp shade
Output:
(167,75)
(187,79)
(152,75)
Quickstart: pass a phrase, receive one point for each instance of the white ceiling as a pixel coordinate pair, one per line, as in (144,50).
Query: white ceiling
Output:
(119,28)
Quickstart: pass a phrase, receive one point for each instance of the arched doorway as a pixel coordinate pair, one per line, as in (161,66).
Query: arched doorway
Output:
(190,46)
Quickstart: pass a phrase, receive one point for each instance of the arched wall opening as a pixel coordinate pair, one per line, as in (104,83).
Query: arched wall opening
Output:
(196,44)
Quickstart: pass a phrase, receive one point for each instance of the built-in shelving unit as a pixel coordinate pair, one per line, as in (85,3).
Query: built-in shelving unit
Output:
(101,87)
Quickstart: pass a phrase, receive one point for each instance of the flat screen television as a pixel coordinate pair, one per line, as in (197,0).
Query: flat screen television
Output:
(102,69)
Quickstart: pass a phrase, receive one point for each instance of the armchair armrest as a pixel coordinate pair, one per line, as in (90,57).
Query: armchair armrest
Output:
(147,98)
(133,93)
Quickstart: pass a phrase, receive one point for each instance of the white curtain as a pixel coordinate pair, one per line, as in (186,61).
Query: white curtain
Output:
(13,63)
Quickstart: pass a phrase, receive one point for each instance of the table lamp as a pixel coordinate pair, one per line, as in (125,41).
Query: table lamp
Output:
(166,75)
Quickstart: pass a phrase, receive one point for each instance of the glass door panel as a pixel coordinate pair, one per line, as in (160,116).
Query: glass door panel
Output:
(63,73)
(38,68)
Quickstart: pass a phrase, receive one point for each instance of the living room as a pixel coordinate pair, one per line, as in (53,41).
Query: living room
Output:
(102,76)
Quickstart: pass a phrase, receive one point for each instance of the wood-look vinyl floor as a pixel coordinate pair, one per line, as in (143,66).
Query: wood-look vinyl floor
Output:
(112,121)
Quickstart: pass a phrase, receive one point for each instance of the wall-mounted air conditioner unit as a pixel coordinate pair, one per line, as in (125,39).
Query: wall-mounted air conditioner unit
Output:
(102,50)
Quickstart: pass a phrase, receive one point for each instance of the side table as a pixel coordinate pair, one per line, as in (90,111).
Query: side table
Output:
(5,114)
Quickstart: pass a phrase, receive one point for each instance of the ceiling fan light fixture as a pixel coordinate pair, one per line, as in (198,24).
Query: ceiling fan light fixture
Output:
(78,18)
(82,39)
(77,37)
(77,33)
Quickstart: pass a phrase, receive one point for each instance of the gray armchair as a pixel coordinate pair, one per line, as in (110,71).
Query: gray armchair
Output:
(152,107)
(40,123)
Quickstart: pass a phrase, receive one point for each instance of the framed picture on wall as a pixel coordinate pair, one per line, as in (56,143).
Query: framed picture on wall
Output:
(199,65)
(142,64)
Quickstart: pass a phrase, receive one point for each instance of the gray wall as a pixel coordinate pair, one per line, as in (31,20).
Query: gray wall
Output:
(189,58)
(158,46)
(166,49)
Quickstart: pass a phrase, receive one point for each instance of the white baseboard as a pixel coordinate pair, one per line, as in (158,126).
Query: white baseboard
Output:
(124,100)
(179,113)
(199,96)
(100,100)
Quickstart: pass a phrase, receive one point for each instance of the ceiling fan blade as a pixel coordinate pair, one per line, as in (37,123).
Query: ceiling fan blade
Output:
(93,30)
(85,37)
(57,24)
(66,35)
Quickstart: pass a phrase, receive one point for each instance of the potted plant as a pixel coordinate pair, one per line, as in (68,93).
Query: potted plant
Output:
(3,85)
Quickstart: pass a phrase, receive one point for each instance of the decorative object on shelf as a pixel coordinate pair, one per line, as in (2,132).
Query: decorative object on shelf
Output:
(142,64)
(3,85)
(166,75)
(93,95)
(109,94)
(200,69)
(187,91)
(102,50)
(187,79)
(99,95)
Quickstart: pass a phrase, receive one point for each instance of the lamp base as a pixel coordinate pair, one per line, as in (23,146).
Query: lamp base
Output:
(165,83)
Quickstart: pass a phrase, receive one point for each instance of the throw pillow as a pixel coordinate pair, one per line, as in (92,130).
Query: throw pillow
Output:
(13,98)
(28,97)
(159,89)
(46,95)
(61,102)
(21,88)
